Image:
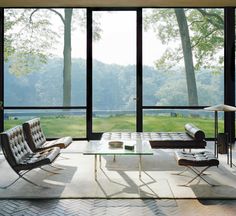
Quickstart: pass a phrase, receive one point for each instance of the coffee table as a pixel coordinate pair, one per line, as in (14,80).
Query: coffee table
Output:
(101,147)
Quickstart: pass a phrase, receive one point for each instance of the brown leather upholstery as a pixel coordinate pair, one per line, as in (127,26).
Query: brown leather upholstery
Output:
(19,155)
(37,141)
(199,159)
(160,139)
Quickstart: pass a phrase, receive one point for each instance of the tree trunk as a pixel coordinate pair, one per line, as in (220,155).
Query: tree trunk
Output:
(188,57)
(67,58)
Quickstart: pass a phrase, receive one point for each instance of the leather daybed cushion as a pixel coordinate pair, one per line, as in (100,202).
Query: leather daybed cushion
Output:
(193,137)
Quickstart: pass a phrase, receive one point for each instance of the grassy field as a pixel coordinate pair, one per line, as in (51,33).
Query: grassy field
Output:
(75,126)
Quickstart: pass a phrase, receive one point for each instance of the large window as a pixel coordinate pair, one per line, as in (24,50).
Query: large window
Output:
(45,66)
(47,61)
(183,52)
(114,71)
(88,67)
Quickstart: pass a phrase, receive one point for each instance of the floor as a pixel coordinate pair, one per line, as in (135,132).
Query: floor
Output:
(56,207)
(117,207)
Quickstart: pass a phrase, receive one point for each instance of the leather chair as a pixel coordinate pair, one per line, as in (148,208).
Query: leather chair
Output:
(19,155)
(36,139)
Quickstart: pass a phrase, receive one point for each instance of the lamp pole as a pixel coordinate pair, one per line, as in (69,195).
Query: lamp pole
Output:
(216,133)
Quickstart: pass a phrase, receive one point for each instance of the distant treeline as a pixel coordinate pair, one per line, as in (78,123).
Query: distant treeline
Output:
(113,86)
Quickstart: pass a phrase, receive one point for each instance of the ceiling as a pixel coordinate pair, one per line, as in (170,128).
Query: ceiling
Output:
(117,3)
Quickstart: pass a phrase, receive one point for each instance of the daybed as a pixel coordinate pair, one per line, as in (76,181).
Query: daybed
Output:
(193,137)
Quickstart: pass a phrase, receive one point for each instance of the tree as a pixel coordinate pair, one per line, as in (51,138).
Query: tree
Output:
(32,50)
(188,57)
(27,43)
(201,33)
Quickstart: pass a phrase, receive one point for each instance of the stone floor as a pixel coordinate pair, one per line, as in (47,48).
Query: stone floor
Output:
(110,207)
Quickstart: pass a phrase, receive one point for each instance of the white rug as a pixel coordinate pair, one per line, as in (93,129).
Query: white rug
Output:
(119,179)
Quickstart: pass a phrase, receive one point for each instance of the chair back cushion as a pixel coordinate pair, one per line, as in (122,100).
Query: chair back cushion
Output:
(14,145)
(34,134)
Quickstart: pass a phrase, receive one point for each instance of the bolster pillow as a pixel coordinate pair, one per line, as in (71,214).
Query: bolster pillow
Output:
(194,132)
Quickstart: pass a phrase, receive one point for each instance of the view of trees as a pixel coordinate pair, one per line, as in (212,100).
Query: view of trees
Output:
(36,89)
(201,32)
(29,40)
(189,71)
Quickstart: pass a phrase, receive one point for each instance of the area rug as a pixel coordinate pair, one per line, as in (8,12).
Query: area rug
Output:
(118,179)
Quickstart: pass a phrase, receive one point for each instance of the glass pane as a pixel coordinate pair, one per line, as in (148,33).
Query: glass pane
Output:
(41,64)
(175,120)
(113,121)
(55,123)
(114,71)
(183,56)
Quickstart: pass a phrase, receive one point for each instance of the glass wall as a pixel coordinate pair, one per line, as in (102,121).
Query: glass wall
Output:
(114,71)
(183,62)
(183,51)
(45,65)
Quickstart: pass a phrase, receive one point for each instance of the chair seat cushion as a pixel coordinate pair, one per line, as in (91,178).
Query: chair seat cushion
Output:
(34,160)
(198,159)
(61,143)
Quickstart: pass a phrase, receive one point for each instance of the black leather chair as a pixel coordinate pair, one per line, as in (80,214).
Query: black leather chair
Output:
(20,157)
(36,139)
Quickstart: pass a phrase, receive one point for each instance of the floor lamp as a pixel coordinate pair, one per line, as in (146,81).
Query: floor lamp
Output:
(216,109)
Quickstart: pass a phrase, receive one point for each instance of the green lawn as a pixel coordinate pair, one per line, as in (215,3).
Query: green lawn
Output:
(57,126)
(75,126)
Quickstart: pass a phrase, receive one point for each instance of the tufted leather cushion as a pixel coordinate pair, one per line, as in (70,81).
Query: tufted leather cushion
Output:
(160,136)
(38,159)
(158,139)
(199,159)
(34,134)
(14,145)
(36,139)
(194,132)
(18,153)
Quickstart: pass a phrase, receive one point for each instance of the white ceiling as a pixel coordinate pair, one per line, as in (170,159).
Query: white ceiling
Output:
(117,3)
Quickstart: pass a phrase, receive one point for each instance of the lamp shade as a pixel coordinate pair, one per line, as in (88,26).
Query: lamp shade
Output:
(221,107)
